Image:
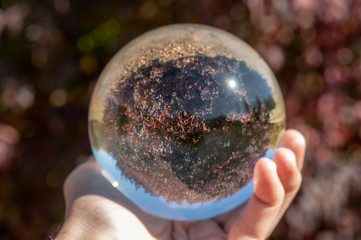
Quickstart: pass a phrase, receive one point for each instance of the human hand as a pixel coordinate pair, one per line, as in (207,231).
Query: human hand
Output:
(96,210)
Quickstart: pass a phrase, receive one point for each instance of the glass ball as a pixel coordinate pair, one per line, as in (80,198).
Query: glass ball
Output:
(179,117)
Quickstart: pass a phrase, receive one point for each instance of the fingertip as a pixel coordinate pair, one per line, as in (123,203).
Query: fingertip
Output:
(284,157)
(298,139)
(267,185)
(287,169)
(265,168)
(295,141)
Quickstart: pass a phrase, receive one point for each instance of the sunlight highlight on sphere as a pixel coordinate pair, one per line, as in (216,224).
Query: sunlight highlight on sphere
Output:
(232,83)
(180,116)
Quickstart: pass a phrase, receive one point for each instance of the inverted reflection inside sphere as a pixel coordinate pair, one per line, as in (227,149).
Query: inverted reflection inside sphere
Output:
(179,118)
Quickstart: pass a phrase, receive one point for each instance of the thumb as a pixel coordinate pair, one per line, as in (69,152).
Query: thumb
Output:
(258,216)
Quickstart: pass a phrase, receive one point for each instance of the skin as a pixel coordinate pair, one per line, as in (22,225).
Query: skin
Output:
(96,210)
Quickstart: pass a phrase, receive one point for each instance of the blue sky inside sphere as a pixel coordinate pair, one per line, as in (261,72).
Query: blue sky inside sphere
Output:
(171,210)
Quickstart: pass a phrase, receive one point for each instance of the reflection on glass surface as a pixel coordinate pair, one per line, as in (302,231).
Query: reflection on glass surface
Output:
(232,83)
(179,118)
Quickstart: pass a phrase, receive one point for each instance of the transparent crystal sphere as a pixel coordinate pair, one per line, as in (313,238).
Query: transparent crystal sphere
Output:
(179,117)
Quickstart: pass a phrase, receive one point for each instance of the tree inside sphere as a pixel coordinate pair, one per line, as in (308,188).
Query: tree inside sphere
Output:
(179,117)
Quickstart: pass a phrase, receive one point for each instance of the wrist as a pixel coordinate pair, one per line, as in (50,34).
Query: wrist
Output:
(88,220)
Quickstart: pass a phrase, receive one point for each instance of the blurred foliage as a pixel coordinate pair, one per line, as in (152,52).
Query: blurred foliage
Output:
(51,53)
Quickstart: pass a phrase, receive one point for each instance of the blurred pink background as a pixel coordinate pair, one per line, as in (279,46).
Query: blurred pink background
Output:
(51,53)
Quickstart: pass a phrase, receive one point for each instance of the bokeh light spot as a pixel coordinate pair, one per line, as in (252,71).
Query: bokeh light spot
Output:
(148,10)
(112,27)
(86,43)
(344,56)
(88,64)
(58,98)
(25,96)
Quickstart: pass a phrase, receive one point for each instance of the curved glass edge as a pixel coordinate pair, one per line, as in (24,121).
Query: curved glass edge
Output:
(170,210)
(182,32)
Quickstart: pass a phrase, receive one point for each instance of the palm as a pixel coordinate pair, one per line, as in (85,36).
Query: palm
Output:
(276,183)
(131,221)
